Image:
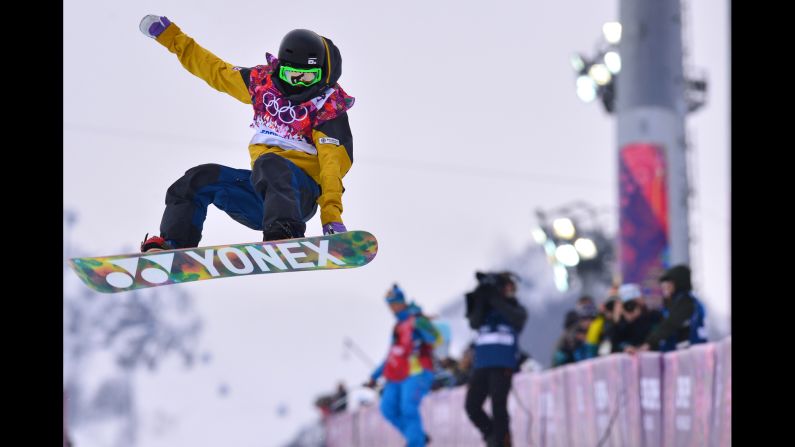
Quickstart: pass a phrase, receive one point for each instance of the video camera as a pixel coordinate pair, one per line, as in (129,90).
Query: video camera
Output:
(488,284)
(498,280)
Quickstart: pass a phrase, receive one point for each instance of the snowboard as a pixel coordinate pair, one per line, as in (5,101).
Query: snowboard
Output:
(121,273)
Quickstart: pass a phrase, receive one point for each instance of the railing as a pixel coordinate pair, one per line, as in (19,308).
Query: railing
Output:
(681,398)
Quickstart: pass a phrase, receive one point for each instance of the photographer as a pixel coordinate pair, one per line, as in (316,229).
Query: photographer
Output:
(494,311)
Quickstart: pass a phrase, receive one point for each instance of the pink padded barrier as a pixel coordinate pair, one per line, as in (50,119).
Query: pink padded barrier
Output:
(339,430)
(520,408)
(551,423)
(687,395)
(722,402)
(651,398)
(681,398)
(616,407)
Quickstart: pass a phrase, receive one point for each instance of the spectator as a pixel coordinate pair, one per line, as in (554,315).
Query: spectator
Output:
(597,339)
(494,311)
(339,400)
(323,403)
(452,373)
(684,315)
(585,306)
(446,374)
(333,403)
(571,346)
(408,368)
(633,322)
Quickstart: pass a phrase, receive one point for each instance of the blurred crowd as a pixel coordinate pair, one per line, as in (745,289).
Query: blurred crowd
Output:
(628,320)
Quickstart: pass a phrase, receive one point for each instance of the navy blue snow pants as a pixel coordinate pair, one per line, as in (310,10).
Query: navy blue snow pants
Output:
(275,192)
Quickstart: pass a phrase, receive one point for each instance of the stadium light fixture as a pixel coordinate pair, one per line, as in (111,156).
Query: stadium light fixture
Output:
(600,74)
(586,88)
(612,32)
(563,228)
(585,248)
(613,62)
(578,63)
(539,236)
(567,255)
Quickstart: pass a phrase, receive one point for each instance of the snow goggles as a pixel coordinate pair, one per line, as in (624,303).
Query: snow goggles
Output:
(300,76)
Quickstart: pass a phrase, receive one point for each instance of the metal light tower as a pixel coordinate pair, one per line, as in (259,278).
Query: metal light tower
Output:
(650,96)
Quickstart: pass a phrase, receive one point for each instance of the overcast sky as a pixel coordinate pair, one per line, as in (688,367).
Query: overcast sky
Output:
(466,120)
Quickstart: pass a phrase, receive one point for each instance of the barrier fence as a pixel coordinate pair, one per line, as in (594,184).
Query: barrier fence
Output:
(681,398)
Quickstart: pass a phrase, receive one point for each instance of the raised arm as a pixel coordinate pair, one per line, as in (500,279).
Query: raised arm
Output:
(220,75)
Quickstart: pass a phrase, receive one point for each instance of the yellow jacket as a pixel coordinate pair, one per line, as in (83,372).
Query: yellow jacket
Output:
(327,167)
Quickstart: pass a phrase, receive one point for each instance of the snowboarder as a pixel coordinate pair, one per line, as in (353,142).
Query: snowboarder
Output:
(301,149)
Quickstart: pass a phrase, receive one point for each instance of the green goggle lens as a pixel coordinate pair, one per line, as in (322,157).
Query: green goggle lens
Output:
(300,76)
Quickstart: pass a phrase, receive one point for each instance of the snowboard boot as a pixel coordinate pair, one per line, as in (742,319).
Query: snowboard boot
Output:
(155,243)
(280,230)
(427,439)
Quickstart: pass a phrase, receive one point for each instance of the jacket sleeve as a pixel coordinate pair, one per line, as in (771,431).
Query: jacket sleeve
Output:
(515,313)
(681,311)
(378,371)
(620,335)
(334,144)
(220,75)
(594,334)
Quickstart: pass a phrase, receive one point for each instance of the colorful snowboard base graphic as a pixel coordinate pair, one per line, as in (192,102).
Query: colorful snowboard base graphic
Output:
(121,273)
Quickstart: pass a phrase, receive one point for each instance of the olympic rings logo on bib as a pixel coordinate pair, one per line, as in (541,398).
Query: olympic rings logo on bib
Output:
(286,113)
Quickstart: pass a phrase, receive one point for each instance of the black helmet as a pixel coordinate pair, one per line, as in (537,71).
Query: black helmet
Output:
(303,48)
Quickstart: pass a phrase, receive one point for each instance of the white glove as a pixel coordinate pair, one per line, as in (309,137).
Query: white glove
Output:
(153,25)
